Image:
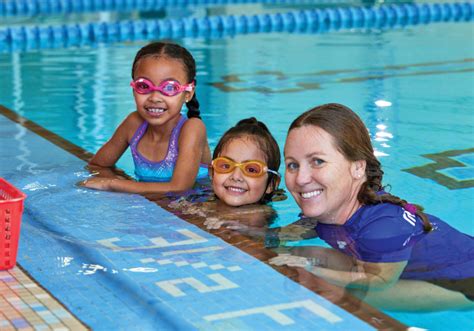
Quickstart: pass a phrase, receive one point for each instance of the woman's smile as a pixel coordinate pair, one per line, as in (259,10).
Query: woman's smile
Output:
(311,194)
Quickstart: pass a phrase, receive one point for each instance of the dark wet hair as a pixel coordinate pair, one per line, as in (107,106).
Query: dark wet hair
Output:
(257,131)
(177,52)
(353,141)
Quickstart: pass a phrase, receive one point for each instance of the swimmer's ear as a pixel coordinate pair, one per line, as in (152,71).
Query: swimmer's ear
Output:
(358,168)
(188,95)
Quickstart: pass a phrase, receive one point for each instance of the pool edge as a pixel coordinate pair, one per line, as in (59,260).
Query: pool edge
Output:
(352,305)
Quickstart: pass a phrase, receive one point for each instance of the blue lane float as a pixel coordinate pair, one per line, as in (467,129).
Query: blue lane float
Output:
(47,7)
(302,21)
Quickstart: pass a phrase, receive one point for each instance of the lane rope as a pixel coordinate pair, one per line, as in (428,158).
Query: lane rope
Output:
(302,21)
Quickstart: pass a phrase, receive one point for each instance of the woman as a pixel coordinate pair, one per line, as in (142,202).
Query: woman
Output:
(385,249)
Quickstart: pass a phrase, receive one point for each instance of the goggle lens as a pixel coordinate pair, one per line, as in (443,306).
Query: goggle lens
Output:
(169,88)
(224,165)
(142,87)
(253,169)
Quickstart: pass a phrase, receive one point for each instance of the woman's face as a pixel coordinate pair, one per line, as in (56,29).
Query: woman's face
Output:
(321,180)
(234,188)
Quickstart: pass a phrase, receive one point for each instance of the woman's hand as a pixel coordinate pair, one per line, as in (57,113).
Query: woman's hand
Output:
(290,260)
(294,232)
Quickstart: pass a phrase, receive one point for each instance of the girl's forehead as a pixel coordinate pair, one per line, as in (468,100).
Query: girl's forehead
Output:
(160,65)
(245,147)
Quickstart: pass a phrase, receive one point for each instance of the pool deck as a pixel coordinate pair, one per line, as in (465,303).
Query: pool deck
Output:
(96,267)
(25,305)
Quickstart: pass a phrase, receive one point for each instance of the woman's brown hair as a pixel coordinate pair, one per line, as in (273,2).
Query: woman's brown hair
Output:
(352,139)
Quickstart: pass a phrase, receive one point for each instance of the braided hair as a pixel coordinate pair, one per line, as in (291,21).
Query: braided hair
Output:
(257,131)
(177,52)
(353,141)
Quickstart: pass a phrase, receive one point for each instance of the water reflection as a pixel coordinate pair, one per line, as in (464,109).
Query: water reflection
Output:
(18,102)
(91,269)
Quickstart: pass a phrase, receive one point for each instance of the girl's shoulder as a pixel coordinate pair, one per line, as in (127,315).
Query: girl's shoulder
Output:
(134,118)
(194,123)
(193,127)
(131,124)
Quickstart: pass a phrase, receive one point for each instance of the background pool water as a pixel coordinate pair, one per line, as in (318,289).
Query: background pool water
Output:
(413,87)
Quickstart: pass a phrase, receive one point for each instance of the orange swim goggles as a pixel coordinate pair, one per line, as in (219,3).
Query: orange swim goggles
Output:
(253,168)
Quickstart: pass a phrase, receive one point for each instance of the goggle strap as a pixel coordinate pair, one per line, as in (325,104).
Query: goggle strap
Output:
(273,172)
(190,86)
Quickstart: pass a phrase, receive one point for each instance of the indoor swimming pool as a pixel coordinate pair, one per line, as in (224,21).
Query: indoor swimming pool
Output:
(120,261)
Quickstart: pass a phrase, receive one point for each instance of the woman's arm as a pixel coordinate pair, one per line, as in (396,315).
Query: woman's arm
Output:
(342,270)
(364,275)
(192,145)
(325,257)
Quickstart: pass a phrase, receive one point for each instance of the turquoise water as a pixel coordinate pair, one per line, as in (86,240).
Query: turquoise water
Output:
(413,87)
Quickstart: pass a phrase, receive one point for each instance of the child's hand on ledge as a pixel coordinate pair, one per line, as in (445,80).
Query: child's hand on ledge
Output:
(99,183)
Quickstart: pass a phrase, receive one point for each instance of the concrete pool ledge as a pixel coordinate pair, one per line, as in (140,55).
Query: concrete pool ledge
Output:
(119,260)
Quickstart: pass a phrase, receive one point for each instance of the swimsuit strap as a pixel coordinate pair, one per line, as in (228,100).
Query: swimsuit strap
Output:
(172,153)
(137,136)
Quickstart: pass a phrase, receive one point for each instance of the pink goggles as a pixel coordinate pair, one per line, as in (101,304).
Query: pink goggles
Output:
(169,88)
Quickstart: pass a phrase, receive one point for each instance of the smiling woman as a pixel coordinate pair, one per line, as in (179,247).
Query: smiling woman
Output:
(322,181)
(384,247)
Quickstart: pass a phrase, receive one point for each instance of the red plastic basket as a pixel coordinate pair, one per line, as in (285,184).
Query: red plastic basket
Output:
(11,209)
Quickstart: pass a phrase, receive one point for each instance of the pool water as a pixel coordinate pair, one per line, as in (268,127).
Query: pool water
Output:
(412,86)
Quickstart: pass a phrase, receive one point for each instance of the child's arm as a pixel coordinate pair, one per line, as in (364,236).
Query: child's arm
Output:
(193,150)
(108,155)
(192,145)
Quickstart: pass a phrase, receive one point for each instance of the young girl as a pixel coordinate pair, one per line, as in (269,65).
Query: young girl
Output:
(169,150)
(244,174)
(245,164)
(385,250)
